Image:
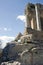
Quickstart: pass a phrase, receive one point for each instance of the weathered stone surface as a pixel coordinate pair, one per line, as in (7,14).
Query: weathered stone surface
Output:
(22,53)
(1,52)
(8,63)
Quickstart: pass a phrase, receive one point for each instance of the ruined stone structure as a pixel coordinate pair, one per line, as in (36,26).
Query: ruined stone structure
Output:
(34,16)
(27,48)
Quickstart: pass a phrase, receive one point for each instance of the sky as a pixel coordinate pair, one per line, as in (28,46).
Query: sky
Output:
(12,17)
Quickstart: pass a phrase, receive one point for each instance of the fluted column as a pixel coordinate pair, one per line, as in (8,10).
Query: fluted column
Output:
(38,17)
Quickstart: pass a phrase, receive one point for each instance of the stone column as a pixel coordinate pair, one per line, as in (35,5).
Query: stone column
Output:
(32,24)
(28,23)
(38,17)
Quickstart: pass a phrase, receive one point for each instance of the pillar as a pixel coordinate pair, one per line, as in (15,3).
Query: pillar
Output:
(32,24)
(28,22)
(38,17)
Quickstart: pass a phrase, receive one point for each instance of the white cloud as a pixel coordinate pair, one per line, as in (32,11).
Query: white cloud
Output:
(5,39)
(22,18)
(7,29)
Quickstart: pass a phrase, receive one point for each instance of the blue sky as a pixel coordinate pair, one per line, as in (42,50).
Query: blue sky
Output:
(10,26)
